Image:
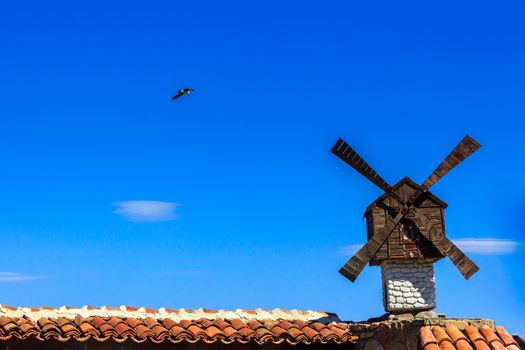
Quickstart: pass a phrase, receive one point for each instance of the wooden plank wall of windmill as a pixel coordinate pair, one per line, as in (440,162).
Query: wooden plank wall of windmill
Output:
(397,246)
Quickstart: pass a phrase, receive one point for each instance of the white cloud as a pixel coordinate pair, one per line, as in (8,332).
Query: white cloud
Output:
(351,249)
(485,246)
(173,273)
(488,246)
(142,211)
(17,277)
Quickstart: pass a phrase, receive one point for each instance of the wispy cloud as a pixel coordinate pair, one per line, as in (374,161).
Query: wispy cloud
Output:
(350,249)
(173,273)
(485,246)
(143,211)
(18,277)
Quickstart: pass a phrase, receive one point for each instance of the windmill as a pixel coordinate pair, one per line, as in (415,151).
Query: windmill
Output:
(406,233)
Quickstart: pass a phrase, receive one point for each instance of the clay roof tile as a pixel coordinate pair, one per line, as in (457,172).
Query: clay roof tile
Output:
(186,323)
(196,331)
(440,334)
(168,323)
(70,330)
(463,344)
(447,345)
(327,334)
(254,324)
(426,337)
(150,322)
(221,324)
(5,320)
(473,333)
(506,337)
(133,322)
(229,331)
(285,324)
(300,323)
(123,329)
(97,321)
(310,332)
(143,332)
(50,326)
(117,320)
(262,332)
(336,330)
(318,326)
(454,332)
(488,334)
(295,333)
(431,346)
(246,332)
(237,323)
(213,332)
(204,322)
(177,330)
(159,331)
(87,328)
(27,327)
(107,330)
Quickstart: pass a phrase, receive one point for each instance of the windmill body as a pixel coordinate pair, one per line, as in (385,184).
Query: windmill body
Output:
(406,257)
(406,233)
(406,241)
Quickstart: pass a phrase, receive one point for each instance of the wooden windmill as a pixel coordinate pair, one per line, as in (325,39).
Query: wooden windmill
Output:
(406,232)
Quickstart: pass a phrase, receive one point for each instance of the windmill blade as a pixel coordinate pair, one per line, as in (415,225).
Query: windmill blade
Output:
(465,266)
(350,157)
(445,246)
(465,148)
(357,263)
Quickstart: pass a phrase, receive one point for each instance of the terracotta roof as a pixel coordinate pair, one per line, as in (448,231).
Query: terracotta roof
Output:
(451,338)
(164,325)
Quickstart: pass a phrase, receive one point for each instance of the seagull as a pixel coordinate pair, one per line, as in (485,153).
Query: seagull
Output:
(181,92)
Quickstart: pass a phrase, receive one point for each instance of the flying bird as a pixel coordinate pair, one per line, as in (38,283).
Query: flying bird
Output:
(181,92)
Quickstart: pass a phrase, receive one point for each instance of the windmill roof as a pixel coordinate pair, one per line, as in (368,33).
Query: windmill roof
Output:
(408,181)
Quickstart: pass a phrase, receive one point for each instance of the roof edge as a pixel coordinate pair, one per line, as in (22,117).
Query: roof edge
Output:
(162,313)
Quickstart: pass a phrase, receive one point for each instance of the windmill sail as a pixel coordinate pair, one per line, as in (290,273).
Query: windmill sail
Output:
(350,157)
(465,148)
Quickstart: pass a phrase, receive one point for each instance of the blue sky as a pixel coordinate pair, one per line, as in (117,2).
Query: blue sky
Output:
(230,198)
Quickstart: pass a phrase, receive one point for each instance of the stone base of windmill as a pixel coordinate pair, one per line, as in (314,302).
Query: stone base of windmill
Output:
(408,286)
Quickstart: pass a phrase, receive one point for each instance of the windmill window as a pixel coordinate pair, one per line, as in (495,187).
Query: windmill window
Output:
(409,231)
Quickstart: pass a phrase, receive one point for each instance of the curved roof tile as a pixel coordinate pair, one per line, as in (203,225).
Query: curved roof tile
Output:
(175,326)
(452,338)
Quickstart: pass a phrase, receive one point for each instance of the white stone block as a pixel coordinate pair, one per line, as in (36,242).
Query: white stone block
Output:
(410,282)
